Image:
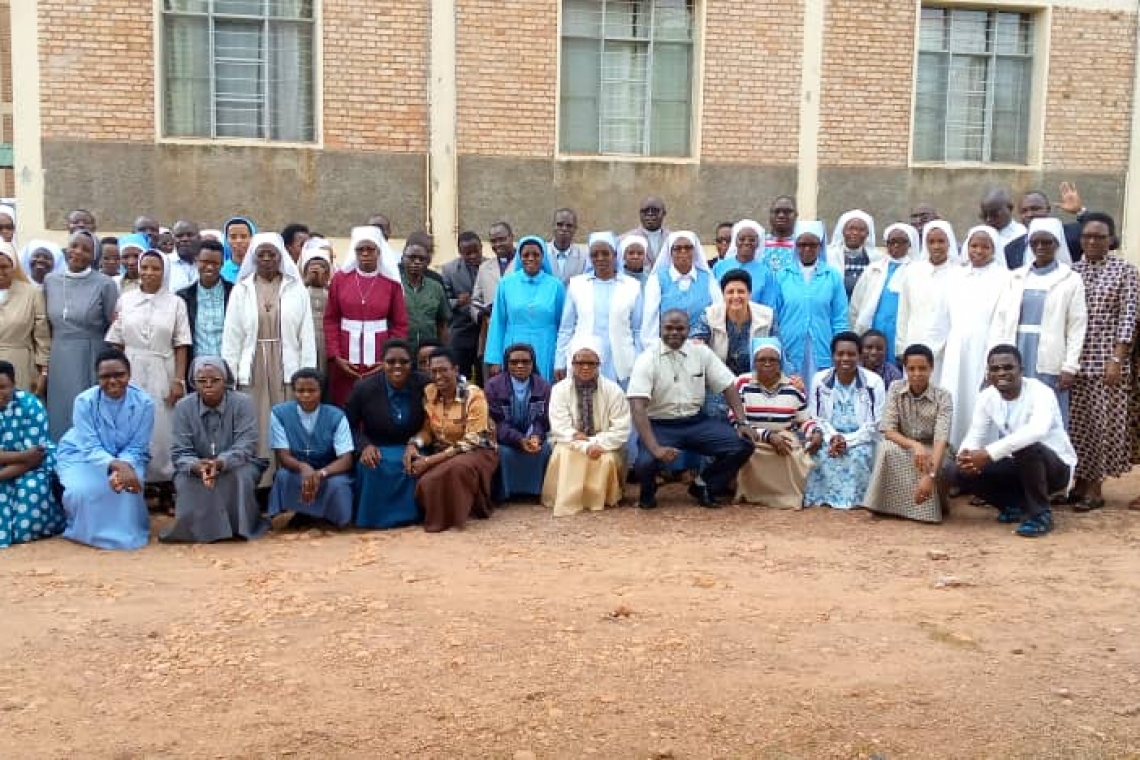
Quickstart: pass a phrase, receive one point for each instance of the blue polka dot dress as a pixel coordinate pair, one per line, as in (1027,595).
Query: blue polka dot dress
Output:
(27,508)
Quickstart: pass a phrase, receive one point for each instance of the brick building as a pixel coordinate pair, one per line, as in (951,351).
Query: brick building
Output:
(460,112)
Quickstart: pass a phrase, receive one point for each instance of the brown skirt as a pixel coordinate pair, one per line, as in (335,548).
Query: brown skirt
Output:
(773,480)
(459,488)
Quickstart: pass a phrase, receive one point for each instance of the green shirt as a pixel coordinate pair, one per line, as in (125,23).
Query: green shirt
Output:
(427,308)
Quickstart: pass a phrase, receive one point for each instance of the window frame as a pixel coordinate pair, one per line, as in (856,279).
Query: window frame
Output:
(160,90)
(1041,12)
(696,101)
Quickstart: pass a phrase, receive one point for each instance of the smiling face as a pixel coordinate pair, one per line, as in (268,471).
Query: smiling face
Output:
(874,352)
(80,253)
(531,255)
(737,296)
(1003,370)
(397,366)
(209,267)
(855,234)
(307,391)
(674,330)
(845,357)
(1095,240)
(268,261)
(747,243)
(113,377)
(238,235)
(444,374)
(937,246)
(980,249)
(41,263)
(150,273)
(7,269)
(585,364)
(682,251)
(723,239)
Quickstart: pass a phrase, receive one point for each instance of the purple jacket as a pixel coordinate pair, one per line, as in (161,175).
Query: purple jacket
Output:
(499,393)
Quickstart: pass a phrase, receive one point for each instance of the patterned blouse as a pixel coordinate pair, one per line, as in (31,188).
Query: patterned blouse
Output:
(1111,291)
(464,425)
(924,418)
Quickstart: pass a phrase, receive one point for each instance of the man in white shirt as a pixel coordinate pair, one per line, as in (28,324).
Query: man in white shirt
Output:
(183,262)
(666,392)
(1017,452)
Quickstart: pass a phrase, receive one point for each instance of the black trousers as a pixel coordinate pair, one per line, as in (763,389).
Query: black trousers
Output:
(470,363)
(1023,481)
(703,435)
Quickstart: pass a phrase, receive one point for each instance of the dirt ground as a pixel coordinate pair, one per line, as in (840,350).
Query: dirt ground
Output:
(679,633)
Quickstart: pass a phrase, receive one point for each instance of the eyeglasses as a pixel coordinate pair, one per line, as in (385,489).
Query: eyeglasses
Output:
(519,362)
(587,364)
(682,247)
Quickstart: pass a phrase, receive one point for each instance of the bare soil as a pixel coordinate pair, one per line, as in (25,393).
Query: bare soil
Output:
(677,633)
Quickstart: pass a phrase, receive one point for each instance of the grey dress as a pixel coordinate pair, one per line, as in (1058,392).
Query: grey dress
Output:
(80,310)
(229,433)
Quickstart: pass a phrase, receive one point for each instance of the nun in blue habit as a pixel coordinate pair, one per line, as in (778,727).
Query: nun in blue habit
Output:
(681,279)
(518,400)
(232,265)
(101,460)
(528,306)
(814,305)
(314,448)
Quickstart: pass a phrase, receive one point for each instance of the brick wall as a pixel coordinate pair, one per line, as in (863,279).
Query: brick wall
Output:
(752,54)
(97,69)
(1090,90)
(507,77)
(868,64)
(375,75)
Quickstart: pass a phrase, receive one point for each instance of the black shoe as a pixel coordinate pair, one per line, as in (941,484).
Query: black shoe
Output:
(703,495)
(650,503)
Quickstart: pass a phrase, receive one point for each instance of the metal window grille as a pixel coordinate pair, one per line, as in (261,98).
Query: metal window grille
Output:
(627,77)
(974,86)
(238,68)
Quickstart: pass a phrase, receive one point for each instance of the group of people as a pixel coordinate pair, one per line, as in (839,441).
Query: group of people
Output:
(236,374)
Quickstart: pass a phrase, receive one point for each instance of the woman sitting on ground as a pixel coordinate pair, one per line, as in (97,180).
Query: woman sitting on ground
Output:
(589,426)
(847,402)
(454,455)
(916,425)
(776,407)
(101,461)
(216,467)
(28,510)
(313,446)
(518,400)
(385,410)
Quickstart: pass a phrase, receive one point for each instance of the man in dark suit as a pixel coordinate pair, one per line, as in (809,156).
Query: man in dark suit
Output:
(1034,205)
(459,278)
(567,258)
(206,301)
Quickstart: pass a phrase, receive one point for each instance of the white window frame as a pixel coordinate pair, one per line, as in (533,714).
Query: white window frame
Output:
(696,100)
(1042,24)
(159,68)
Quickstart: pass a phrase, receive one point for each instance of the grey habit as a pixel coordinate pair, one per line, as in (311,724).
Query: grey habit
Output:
(80,310)
(228,432)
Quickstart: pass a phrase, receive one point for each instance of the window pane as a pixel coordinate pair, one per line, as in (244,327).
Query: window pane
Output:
(623,97)
(932,30)
(1012,34)
(1010,124)
(578,101)
(627,19)
(291,9)
(238,84)
(966,116)
(291,81)
(186,58)
(239,7)
(968,31)
(187,6)
(582,18)
(673,20)
(930,107)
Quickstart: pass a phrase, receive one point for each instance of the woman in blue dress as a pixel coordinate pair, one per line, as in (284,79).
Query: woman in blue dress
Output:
(528,307)
(814,306)
(847,403)
(681,279)
(385,410)
(519,403)
(28,510)
(101,461)
(313,446)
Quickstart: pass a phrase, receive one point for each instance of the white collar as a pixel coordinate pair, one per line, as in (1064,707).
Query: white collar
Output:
(676,276)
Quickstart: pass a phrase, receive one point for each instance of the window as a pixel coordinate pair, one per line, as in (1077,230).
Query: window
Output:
(975,80)
(627,77)
(238,68)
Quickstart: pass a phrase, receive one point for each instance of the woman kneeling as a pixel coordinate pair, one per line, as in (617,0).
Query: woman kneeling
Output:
(216,467)
(454,455)
(313,446)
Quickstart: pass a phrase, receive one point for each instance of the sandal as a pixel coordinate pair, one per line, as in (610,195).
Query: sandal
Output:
(1088,505)
(1010,515)
(1036,527)
(978,501)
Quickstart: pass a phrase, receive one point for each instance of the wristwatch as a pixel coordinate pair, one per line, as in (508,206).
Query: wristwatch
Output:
(1116,360)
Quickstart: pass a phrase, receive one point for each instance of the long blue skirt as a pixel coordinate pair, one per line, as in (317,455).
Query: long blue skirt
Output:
(386,495)
(519,473)
(96,515)
(332,503)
